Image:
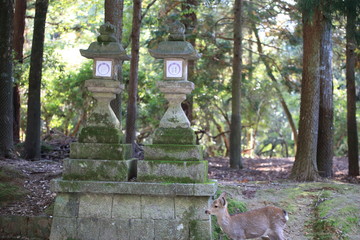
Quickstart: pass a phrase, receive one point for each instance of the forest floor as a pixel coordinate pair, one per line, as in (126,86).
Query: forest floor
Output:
(262,181)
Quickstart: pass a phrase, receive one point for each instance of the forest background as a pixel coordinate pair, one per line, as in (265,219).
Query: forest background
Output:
(272,68)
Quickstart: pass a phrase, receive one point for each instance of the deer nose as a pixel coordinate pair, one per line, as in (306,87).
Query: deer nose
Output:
(207,212)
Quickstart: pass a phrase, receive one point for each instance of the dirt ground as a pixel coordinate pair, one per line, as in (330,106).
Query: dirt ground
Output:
(35,177)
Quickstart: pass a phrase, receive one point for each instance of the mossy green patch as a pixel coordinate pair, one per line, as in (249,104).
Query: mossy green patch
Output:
(10,192)
(180,136)
(104,151)
(335,216)
(100,135)
(97,170)
(173,152)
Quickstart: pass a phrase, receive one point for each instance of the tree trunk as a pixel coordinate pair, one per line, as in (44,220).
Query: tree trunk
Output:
(325,150)
(353,152)
(235,128)
(114,15)
(18,44)
(33,127)
(305,168)
(133,79)
(6,83)
(190,23)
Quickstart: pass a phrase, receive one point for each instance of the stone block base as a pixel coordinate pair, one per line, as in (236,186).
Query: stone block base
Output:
(100,151)
(179,136)
(99,170)
(172,171)
(91,210)
(101,135)
(173,152)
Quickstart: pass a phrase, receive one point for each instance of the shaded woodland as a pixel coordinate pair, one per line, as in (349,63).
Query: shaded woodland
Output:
(276,78)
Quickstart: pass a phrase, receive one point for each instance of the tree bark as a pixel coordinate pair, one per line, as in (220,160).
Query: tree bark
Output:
(114,15)
(18,44)
(353,151)
(325,150)
(305,168)
(235,128)
(33,127)
(6,81)
(190,22)
(133,79)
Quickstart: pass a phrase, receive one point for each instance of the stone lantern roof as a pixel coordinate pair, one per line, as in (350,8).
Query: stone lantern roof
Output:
(107,45)
(176,46)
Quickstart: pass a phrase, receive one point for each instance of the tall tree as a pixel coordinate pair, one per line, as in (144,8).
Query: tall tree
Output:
(353,151)
(114,15)
(33,126)
(235,127)
(325,151)
(133,80)
(305,167)
(190,22)
(6,82)
(18,44)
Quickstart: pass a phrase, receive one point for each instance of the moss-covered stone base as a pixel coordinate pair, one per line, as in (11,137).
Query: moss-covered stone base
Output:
(100,151)
(173,152)
(172,171)
(101,135)
(131,210)
(180,136)
(99,170)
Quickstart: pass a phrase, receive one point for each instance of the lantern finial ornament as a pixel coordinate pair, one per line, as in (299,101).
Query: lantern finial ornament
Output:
(177,31)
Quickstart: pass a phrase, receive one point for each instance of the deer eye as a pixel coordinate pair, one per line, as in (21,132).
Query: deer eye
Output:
(215,206)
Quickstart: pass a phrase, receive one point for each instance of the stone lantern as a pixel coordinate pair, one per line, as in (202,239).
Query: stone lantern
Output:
(174,156)
(107,52)
(176,52)
(100,153)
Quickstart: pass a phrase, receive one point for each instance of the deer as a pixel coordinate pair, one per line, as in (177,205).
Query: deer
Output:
(265,223)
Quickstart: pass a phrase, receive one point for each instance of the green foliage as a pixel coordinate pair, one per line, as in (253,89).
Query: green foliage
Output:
(265,129)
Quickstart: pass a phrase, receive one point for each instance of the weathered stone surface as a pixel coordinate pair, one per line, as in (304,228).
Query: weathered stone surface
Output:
(88,228)
(66,205)
(180,136)
(95,205)
(101,135)
(103,91)
(139,188)
(7,226)
(100,170)
(114,229)
(191,208)
(63,228)
(174,49)
(200,230)
(173,152)
(172,171)
(157,207)
(175,93)
(141,229)
(100,151)
(38,227)
(126,206)
(171,230)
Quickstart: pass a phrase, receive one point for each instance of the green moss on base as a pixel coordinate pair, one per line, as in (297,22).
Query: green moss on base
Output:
(100,135)
(181,136)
